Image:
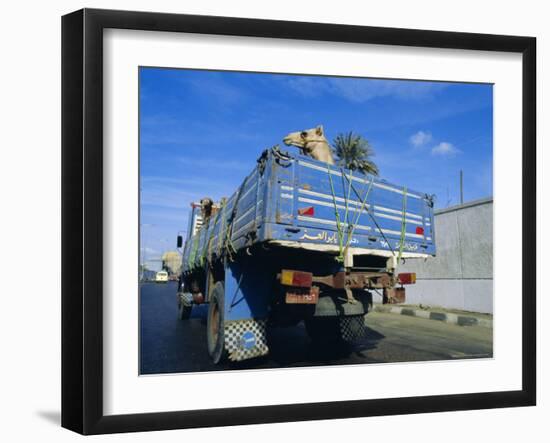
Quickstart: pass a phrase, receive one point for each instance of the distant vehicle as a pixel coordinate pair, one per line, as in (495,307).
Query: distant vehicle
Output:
(161,277)
(148,275)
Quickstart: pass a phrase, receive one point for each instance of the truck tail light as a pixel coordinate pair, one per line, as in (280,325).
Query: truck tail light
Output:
(299,279)
(406,278)
(420,230)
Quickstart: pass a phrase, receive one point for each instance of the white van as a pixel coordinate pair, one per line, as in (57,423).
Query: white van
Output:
(161,277)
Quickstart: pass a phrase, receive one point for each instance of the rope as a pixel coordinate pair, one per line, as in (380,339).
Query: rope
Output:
(363,204)
(224,220)
(340,257)
(229,246)
(376,223)
(349,226)
(403,225)
(346,196)
(207,245)
(194,249)
(403,221)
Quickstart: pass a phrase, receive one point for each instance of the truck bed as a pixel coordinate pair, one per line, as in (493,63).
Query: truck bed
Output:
(297,202)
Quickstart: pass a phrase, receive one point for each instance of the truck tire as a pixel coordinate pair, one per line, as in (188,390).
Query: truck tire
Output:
(215,324)
(324,330)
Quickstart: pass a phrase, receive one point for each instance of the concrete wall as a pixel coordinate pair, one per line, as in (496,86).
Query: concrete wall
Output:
(461,275)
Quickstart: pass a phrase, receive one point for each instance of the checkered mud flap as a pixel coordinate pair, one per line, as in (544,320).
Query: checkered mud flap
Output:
(245,339)
(352,327)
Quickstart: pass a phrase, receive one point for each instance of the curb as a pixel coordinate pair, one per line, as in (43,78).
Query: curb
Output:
(447,317)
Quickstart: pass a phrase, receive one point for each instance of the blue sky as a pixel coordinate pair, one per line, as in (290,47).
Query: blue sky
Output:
(202,131)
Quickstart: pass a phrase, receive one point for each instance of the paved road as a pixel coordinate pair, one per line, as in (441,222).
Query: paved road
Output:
(172,345)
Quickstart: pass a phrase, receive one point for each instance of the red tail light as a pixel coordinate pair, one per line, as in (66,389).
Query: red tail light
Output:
(309,211)
(420,230)
(406,278)
(296,278)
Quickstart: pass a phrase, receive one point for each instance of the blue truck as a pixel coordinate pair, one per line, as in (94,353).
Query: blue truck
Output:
(300,240)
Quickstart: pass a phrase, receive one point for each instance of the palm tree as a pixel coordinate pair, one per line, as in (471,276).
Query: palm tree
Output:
(355,152)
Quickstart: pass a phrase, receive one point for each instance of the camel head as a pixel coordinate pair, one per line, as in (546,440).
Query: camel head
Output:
(311,142)
(302,139)
(206,207)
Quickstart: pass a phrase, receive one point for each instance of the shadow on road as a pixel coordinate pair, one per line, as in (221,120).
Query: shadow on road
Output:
(170,345)
(368,343)
(291,347)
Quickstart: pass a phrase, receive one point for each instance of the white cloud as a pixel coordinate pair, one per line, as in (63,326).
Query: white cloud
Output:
(445,148)
(420,138)
(360,90)
(308,87)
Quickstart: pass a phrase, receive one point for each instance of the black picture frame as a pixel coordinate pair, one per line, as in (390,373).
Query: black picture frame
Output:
(82,215)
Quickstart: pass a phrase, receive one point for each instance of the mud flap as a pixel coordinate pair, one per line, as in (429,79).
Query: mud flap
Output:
(352,327)
(245,339)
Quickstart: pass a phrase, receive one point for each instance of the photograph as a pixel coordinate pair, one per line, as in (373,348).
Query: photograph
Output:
(268,222)
(293,220)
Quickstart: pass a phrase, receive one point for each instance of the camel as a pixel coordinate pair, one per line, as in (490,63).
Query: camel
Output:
(311,142)
(206,208)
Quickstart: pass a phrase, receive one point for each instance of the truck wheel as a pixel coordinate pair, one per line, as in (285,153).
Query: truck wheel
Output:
(324,330)
(214,324)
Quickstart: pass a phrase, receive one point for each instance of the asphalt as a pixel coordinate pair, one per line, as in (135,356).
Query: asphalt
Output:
(170,345)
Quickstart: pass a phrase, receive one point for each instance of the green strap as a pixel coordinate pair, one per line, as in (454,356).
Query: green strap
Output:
(349,227)
(340,257)
(373,218)
(363,204)
(229,246)
(222,226)
(403,225)
(194,249)
(346,196)
(206,251)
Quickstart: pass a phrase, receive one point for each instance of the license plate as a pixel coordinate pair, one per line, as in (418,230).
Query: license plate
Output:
(297,296)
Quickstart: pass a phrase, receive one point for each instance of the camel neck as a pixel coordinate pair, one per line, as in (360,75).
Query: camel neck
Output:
(325,142)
